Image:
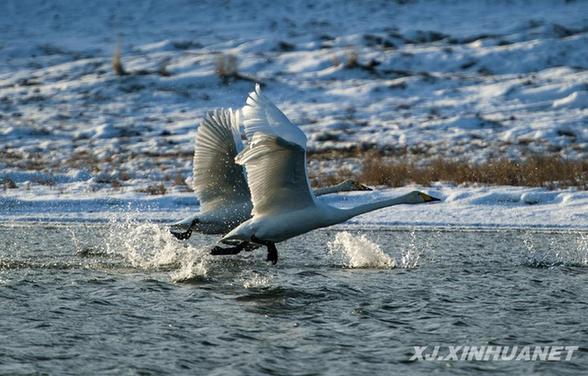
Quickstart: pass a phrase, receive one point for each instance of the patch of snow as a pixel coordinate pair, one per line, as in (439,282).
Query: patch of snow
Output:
(417,78)
(463,207)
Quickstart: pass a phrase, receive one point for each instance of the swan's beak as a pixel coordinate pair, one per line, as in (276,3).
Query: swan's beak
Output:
(355,185)
(427,198)
(360,187)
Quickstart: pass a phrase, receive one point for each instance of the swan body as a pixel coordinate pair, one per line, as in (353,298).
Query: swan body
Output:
(220,183)
(284,206)
(282,226)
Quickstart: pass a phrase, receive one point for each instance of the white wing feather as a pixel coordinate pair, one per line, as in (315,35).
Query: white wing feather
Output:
(217,179)
(260,115)
(276,171)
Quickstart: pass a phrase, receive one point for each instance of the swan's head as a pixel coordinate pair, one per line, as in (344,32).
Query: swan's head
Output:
(418,197)
(353,185)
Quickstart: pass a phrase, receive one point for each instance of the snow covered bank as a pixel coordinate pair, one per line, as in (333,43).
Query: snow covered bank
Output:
(473,80)
(467,79)
(463,207)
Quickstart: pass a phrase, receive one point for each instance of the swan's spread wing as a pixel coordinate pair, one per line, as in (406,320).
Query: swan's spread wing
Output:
(217,178)
(276,172)
(260,115)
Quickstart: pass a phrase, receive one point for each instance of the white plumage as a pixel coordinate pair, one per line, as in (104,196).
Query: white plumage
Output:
(260,115)
(284,206)
(217,179)
(219,183)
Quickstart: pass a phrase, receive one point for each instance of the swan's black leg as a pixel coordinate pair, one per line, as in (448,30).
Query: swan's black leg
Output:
(220,251)
(248,247)
(186,234)
(272,251)
(182,235)
(243,246)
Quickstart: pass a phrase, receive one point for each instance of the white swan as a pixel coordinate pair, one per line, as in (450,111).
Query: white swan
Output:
(284,206)
(220,184)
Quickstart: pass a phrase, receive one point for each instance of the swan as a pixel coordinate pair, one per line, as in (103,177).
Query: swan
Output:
(284,206)
(220,184)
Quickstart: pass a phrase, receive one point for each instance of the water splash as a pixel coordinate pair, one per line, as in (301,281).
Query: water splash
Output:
(74,238)
(571,249)
(257,280)
(411,257)
(146,246)
(582,242)
(192,269)
(357,251)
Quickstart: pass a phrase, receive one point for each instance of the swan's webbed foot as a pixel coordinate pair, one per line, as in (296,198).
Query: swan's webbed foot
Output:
(243,246)
(272,251)
(181,231)
(220,251)
(248,247)
(182,235)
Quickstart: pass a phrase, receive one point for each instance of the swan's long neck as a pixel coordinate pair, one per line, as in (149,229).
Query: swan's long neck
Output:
(346,214)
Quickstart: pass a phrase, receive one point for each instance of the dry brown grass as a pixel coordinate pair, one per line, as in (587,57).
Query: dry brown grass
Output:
(8,183)
(549,172)
(227,70)
(47,180)
(179,180)
(117,65)
(162,70)
(352,60)
(538,171)
(83,159)
(154,189)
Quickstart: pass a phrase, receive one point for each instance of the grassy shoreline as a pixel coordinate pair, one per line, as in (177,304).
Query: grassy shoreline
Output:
(550,172)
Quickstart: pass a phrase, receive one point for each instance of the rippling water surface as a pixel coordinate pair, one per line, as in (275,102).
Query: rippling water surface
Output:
(126,298)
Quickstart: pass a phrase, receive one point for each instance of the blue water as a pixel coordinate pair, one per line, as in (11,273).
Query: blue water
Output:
(128,299)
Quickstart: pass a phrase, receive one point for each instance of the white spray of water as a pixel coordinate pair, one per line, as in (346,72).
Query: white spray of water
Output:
(412,255)
(357,251)
(193,267)
(74,238)
(569,251)
(257,280)
(144,245)
(583,249)
(151,246)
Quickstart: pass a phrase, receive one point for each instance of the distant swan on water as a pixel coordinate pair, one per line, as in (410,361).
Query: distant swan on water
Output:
(284,206)
(220,184)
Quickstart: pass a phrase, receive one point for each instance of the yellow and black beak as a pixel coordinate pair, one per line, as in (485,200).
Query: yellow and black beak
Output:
(360,187)
(427,198)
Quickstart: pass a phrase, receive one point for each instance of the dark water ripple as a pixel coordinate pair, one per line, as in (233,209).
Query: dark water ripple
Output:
(84,300)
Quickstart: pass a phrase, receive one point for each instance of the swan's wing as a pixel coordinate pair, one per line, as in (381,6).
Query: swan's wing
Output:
(217,178)
(260,115)
(276,172)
